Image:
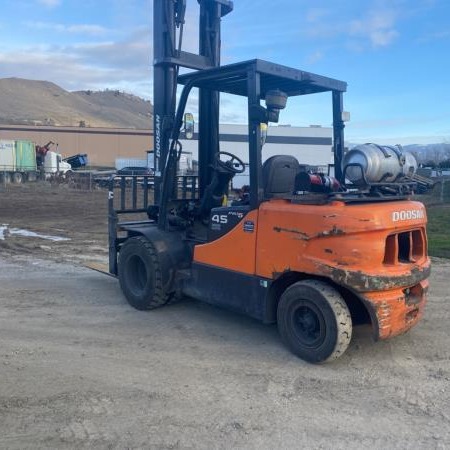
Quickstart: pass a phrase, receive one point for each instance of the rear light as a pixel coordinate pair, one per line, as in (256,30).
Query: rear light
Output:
(405,247)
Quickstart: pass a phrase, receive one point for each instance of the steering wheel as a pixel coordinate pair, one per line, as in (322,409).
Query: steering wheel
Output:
(233,165)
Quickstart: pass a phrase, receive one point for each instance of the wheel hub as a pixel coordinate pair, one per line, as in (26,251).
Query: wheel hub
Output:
(307,326)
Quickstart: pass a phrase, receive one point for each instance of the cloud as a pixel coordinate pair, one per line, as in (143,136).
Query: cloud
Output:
(378,27)
(89,29)
(115,59)
(315,14)
(406,139)
(314,57)
(123,64)
(437,35)
(50,3)
(133,53)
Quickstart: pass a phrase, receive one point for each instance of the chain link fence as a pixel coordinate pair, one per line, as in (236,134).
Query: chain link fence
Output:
(440,194)
(83,181)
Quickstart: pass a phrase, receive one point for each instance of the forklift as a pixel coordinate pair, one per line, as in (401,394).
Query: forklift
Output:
(313,253)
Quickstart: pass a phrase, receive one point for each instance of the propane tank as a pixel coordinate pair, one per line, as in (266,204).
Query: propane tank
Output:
(410,166)
(378,163)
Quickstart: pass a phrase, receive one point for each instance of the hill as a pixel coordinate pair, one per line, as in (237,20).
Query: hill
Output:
(29,102)
(424,153)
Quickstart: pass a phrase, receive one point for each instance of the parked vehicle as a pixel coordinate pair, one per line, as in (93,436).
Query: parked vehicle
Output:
(55,166)
(77,161)
(122,163)
(22,160)
(50,163)
(17,161)
(133,170)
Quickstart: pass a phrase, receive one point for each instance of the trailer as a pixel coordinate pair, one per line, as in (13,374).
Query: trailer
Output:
(23,160)
(17,161)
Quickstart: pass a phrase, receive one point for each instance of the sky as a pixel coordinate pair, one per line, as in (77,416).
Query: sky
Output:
(394,55)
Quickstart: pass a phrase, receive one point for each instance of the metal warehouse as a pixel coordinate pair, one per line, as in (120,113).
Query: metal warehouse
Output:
(311,145)
(102,145)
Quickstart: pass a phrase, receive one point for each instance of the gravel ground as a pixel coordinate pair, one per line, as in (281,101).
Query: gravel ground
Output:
(79,368)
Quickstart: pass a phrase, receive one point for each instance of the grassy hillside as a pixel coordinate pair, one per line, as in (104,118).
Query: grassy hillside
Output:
(30,102)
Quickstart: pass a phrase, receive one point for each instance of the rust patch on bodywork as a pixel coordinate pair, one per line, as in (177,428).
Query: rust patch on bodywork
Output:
(394,314)
(335,231)
(363,282)
(292,230)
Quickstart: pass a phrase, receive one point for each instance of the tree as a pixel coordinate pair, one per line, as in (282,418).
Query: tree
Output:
(445,164)
(429,163)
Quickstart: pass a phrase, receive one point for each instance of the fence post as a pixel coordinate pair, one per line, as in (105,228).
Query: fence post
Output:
(112,229)
(442,190)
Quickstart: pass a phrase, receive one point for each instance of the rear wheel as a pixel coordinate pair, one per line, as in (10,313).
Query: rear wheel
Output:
(32,176)
(314,321)
(140,274)
(17,177)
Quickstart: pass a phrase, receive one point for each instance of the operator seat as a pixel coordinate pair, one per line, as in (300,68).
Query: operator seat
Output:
(279,173)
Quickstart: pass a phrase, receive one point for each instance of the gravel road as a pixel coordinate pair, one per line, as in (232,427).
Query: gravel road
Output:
(79,368)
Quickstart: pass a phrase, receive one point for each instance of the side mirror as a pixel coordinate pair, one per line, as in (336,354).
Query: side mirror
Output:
(189,125)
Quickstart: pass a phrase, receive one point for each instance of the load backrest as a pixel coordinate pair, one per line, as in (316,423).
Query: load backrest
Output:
(279,175)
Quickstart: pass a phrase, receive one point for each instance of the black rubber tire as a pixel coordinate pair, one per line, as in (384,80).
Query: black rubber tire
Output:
(314,321)
(17,177)
(5,177)
(140,274)
(32,176)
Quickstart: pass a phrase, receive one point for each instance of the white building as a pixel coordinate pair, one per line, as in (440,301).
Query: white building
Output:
(310,145)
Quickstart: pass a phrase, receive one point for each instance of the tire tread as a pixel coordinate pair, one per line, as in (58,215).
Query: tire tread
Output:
(159,297)
(341,313)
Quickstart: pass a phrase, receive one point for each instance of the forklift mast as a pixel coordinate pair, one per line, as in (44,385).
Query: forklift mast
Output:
(168,23)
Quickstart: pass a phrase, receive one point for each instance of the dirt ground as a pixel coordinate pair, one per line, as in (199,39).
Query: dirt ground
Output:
(79,368)
(55,210)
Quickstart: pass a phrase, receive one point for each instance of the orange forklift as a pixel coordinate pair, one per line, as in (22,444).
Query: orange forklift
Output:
(313,253)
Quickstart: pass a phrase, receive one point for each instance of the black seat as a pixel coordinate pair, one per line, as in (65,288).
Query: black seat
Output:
(279,175)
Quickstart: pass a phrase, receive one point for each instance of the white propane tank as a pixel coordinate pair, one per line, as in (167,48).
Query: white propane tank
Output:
(410,166)
(378,163)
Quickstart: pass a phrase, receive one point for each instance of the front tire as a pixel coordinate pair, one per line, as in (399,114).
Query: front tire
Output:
(314,321)
(140,274)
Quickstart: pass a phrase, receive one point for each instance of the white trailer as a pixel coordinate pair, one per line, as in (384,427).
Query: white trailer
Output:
(7,160)
(17,161)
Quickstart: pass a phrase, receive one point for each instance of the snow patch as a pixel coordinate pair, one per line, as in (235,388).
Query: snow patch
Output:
(4,230)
